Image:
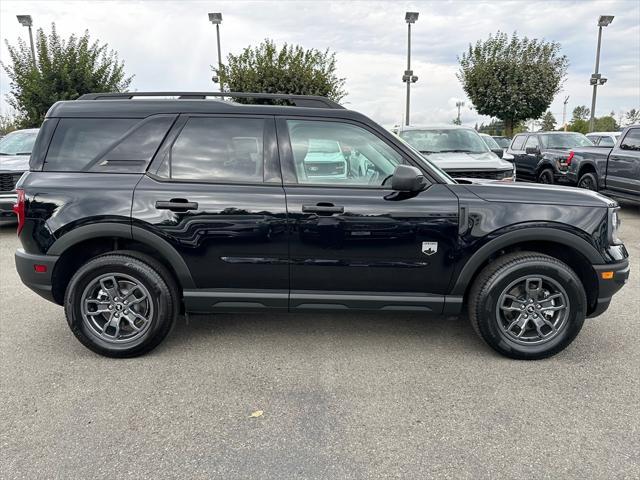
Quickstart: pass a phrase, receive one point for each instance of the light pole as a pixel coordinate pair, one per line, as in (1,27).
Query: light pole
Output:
(459,104)
(564,113)
(216,19)
(27,21)
(596,78)
(409,77)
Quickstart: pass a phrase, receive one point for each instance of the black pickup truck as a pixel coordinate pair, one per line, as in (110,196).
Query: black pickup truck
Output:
(614,172)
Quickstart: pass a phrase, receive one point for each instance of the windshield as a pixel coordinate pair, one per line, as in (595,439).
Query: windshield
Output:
(19,142)
(565,140)
(445,140)
(503,142)
(444,176)
(491,143)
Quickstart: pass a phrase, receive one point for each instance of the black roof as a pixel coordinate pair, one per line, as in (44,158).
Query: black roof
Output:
(126,105)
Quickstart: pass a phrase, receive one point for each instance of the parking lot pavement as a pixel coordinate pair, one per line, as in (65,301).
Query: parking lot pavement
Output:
(343,396)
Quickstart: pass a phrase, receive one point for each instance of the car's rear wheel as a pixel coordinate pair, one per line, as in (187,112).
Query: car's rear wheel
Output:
(588,180)
(121,305)
(546,176)
(527,305)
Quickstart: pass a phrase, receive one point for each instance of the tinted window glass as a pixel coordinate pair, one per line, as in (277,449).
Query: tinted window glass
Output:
(518,143)
(565,140)
(338,153)
(445,140)
(532,142)
(219,149)
(606,142)
(631,140)
(78,141)
(19,142)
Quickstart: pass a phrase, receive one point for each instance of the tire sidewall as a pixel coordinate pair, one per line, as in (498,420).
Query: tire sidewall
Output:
(488,309)
(546,172)
(593,179)
(160,299)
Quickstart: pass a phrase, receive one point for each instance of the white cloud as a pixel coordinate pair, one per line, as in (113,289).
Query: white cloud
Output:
(170,45)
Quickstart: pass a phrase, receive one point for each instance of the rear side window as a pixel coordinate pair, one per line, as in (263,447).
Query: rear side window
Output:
(218,150)
(518,142)
(532,142)
(106,144)
(606,142)
(631,141)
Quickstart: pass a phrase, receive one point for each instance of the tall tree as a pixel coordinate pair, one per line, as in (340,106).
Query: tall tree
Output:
(290,69)
(64,70)
(548,122)
(581,112)
(512,78)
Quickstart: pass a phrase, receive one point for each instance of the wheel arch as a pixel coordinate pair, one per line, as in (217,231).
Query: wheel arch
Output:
(567,247)
(81,244)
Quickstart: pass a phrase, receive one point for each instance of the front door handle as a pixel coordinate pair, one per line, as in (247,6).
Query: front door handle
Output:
(176,205)
(323,208)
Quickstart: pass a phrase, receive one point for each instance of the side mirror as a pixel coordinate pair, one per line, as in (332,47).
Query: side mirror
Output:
(498,151)
(407,179)
(532,150)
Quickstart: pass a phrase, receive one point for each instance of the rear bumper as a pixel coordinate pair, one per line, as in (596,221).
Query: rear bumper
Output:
(7,200)
(39,282)
(607,288)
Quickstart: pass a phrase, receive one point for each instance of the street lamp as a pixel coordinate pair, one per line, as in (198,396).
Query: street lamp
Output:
(459,105)
(409,77)
(216,19)
(596,78)
(27,21)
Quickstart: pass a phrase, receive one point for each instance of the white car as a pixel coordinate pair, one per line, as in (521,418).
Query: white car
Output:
(459,151)
(604,139)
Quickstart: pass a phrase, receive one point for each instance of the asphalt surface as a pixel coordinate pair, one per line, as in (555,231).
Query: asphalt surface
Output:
(344,396)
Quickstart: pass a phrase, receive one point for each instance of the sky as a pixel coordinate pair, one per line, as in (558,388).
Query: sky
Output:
(170,45)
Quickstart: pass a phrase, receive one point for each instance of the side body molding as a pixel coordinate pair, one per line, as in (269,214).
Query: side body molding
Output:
(518,236)
(126,231)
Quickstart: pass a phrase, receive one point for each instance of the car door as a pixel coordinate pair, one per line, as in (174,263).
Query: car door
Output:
(623,167)
(354,243)
(214,194)
(517,150)
(531,160)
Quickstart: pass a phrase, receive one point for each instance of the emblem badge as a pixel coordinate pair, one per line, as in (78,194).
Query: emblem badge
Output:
(429,248)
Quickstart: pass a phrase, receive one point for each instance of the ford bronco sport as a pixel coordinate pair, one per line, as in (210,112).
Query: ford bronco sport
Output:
(137,209)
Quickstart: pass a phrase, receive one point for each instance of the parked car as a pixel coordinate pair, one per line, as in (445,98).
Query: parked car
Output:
(492,144)
(504,142)
(538,154)
(614,172)
(604,139)
(15,149)
(459,151)
(135,210)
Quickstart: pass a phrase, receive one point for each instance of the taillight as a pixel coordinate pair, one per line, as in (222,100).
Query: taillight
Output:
(18,209)
(569,158)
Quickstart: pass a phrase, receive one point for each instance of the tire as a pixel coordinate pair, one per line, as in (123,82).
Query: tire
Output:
(546,176)
(492,322)
(131,286)
(588,181)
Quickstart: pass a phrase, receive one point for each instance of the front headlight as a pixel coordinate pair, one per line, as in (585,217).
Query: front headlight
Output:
(614,226)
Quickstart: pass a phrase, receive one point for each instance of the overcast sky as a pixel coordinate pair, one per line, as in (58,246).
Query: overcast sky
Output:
(170,45)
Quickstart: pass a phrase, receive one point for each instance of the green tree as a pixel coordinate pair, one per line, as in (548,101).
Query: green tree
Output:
(512,78)
(606,124)
(548,122)
(581,112)
(632,117)
(578,125)
(64,70)
(290,69)
(7,124)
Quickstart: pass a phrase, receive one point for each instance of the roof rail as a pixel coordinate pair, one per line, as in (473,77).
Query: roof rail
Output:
(313,101)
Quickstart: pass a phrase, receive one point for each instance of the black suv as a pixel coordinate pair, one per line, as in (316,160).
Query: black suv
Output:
(135,210)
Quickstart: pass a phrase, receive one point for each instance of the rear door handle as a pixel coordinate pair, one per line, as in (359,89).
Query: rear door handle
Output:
(320,208)
(176,205)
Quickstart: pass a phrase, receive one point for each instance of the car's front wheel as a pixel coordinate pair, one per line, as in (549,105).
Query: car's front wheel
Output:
(546,176)
(121,304)
(527,305)
(589,181)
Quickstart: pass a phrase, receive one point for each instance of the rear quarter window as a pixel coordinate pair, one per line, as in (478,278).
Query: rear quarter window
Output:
(124,145)
(518,142)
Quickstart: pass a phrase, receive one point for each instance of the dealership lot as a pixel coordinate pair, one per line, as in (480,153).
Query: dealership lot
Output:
(343,396)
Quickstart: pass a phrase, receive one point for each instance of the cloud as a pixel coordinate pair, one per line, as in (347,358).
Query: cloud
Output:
(171,45)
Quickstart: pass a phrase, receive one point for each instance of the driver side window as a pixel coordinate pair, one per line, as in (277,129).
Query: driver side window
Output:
(337,154)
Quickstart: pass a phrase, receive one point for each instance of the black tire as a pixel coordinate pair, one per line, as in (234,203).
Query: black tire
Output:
(488,290)
(588,181)
(546,176)
(157,282)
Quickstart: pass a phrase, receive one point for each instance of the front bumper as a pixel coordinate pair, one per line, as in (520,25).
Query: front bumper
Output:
(608,287)
(39,282)
(7,200)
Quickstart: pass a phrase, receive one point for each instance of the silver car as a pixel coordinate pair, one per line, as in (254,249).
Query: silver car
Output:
(15,149)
